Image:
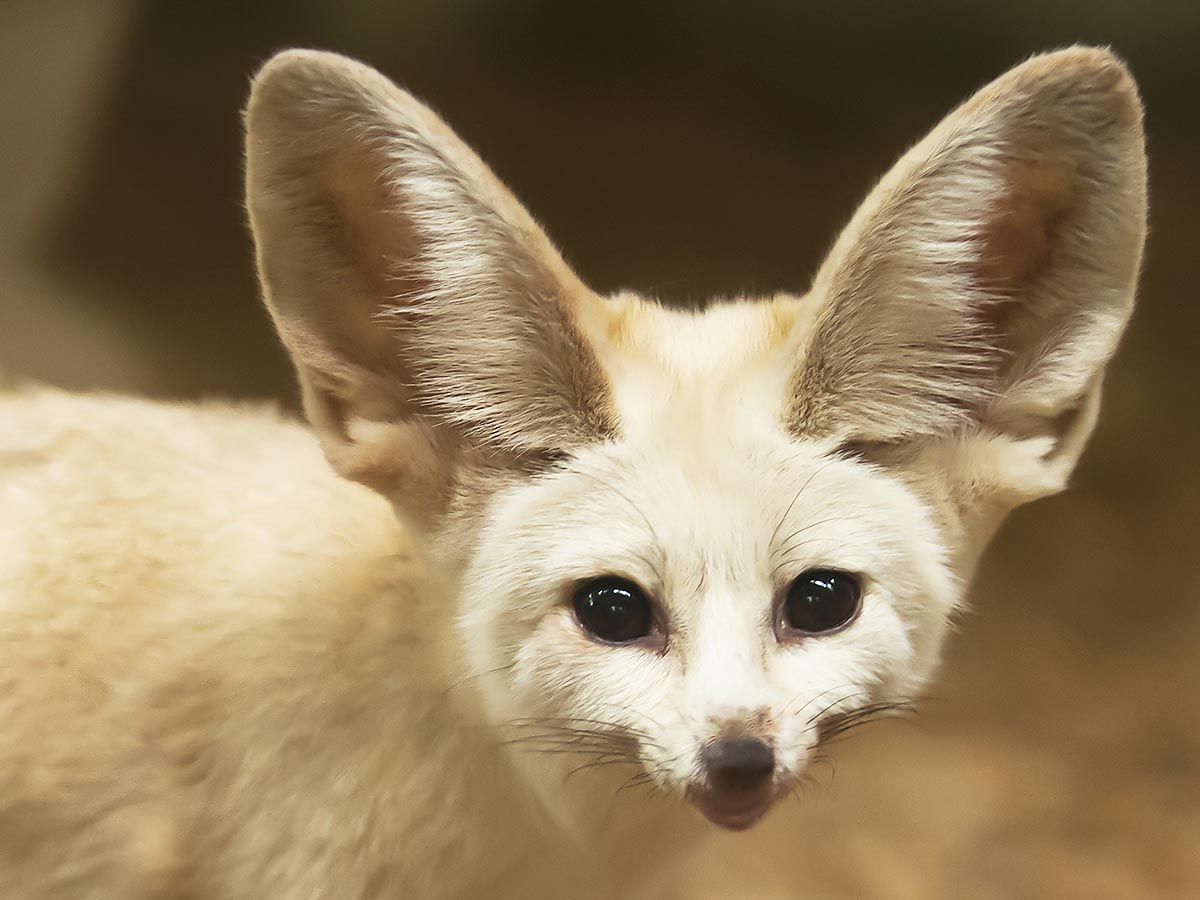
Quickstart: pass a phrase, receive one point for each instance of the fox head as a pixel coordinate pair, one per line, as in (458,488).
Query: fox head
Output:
(696,541)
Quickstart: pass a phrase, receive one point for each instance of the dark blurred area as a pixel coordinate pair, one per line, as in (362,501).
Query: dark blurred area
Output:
(691,150)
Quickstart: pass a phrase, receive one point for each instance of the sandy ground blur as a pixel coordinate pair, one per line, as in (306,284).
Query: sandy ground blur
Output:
(692,151)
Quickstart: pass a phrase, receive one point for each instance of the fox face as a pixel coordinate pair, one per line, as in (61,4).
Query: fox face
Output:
(704,608)
(691,544)
(707,584)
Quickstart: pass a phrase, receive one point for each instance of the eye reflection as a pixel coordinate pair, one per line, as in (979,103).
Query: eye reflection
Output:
(613,610)
(822,600)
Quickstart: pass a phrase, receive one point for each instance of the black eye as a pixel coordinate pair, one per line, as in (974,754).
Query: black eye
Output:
(614,610)
(821,600)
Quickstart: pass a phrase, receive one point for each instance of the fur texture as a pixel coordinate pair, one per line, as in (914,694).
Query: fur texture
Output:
(230,674)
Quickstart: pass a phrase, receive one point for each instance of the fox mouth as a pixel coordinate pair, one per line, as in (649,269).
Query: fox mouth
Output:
(733,811)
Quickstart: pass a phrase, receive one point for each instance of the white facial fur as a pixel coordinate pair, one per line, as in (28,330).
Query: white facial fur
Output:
(944,368)
(712,508)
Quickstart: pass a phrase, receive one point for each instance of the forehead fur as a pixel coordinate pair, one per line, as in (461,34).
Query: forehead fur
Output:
(673,371)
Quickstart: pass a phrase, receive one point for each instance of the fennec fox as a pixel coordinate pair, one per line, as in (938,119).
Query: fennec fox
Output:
(659,552)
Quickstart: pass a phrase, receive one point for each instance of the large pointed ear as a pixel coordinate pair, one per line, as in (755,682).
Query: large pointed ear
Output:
(982,287)
(422,306)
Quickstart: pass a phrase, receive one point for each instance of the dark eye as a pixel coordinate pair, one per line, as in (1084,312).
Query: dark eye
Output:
(614,610)
(821,600)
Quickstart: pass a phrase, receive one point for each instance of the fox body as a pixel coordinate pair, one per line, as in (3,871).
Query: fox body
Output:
(563,592)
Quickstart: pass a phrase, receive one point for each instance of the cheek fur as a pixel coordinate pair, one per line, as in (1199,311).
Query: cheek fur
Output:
(561,529)
(560,666)
(560,673)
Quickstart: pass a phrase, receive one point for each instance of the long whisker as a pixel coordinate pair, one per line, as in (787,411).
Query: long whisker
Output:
(571,732)
(473,675)
(637,509)
(836,727)
(850,688)
(843,723)
(601,763)
(790,544)
(819,714)
(787,512)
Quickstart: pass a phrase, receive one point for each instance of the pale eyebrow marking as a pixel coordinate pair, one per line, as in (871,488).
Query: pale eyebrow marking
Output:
(787,512)
(658,544)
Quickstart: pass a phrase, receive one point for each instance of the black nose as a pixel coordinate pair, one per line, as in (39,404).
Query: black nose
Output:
(738,764)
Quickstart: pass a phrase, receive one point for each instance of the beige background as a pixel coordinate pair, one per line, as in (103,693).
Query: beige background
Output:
(695,149)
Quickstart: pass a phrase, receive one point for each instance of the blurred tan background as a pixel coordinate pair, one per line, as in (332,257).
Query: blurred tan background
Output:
(693,149)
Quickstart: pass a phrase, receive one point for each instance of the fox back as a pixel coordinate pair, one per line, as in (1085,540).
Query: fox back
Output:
(621,567)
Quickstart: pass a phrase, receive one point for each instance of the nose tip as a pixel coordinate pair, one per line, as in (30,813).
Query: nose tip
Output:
(738,764)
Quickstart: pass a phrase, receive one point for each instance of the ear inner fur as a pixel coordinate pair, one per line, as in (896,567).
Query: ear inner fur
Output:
(403,276)
(992,270)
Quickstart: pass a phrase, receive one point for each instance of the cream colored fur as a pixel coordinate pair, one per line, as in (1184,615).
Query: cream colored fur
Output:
(229,674)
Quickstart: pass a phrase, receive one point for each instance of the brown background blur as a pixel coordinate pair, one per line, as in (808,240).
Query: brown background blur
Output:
(690,150)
